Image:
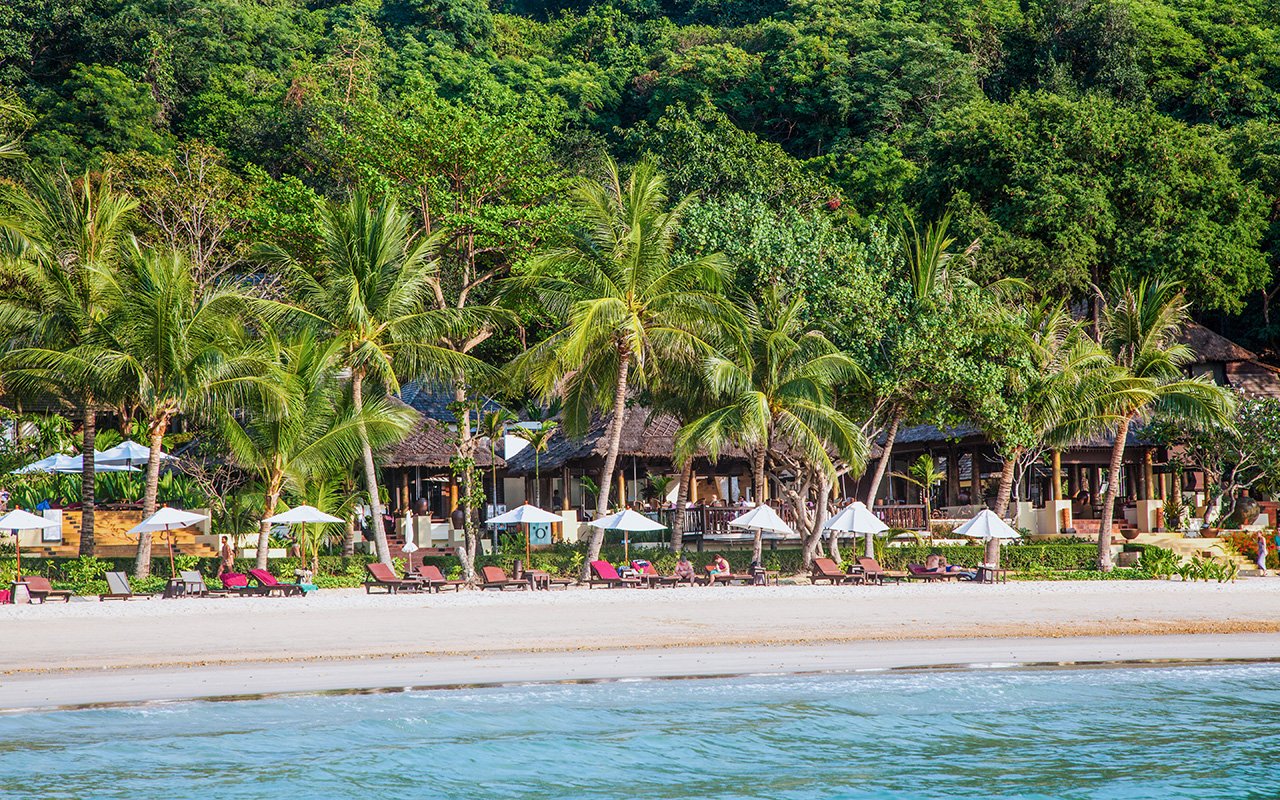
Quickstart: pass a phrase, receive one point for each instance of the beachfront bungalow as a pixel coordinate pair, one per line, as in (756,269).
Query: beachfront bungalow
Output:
(1065,494)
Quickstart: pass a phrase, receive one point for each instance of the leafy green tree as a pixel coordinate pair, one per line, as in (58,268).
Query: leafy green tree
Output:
(492,425)
(631,308)
(1140,334)
(101,111)
(539,440)
(64,237)
(924,474)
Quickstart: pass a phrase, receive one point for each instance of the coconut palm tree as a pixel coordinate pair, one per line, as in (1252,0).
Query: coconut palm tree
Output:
(314,430)
(178,348)
(1141,336)
(924,474)
(63,239)
(367,291)
(325,491)
(492,425)
(778,391)
(539,440)
(633,308)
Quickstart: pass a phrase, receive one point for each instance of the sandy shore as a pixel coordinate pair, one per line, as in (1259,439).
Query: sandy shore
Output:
(87,652)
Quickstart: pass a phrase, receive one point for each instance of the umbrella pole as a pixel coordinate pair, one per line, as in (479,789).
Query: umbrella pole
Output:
(17,549)
(626,546)
(527,547)
(172,573)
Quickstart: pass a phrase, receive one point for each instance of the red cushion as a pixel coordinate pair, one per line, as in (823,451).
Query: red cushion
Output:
(234,580)
(605,570)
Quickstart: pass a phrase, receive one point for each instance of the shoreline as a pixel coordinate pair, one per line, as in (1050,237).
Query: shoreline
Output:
(243,681)
(146,651)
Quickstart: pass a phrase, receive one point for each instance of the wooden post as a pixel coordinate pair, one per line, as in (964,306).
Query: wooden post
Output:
(976,477)
(453,494)
(1148,473)
(622,489)
(693,486)
(564,488)
(1056,493)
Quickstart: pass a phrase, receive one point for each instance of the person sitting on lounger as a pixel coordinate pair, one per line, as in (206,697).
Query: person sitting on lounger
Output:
(933,563)
(719,566)
(943,566)
(684,569)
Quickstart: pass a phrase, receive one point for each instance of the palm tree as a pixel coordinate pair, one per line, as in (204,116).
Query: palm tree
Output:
(314,430)
(1052,391)
(323,490)
(367,291)
(539,439)
(924,474)
(632,308)
(64,238)
(1141,332)
(179,349)
(492,425)
(778,391)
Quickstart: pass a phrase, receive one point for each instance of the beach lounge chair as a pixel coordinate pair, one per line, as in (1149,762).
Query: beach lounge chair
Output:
(42,591)
(604,573)
(826,569)
(495,578)
(237,583)
(194,585)
(383,577)
(268,585)
(650,574)
(874,573)
(918,572)
(119,589)
(433,578)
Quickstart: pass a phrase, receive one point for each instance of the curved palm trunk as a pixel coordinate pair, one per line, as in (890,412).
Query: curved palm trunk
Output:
(820,512)
(611,456)
(87,478)
(155,436)
(1007,471)
(272,499)
(370,471)
(1109,498)
(882,466)
(349,537)
(682,497)
(757,483)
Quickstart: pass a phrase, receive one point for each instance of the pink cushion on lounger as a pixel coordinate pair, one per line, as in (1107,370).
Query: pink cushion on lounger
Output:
(605,570)
(234,580)
(263,577)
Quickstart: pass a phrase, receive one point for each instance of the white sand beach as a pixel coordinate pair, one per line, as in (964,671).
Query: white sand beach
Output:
(91,652)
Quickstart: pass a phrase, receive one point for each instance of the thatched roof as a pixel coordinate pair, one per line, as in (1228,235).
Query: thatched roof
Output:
(1210,346)
(651,438)
(430,445)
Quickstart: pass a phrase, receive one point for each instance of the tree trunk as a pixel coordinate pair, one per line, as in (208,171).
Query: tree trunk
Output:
(264,527)
(155,434)
(610,458)
(1007,470)
(682,498)
(882,466)
(1109,497)
(370,471)
(467,450)
(757,483)
(349,538)
(814,540)
(87,479)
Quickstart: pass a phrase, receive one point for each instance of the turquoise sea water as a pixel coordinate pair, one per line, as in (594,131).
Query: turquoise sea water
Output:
(1202,732)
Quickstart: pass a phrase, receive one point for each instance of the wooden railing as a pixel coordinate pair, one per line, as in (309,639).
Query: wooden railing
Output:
(906,517)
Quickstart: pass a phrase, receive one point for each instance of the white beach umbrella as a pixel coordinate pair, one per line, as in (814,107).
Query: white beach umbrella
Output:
(168,520)
(76,464)
(301,515)
(46,464)
(761,518)
(19,520)
(856,518)
(410,546)
(985,525)
(525,514)
(627,520)
(128,453)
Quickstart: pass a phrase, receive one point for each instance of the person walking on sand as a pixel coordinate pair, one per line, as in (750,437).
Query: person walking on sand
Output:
(1260,540)
(226,558)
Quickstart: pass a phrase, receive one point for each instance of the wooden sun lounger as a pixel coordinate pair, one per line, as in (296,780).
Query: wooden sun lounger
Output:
(195,585)
(118,584)
(929,576)
(268,585)
(41,590)
(383,577)
(495,578)
(605,574)
(826,569)
(430,575)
